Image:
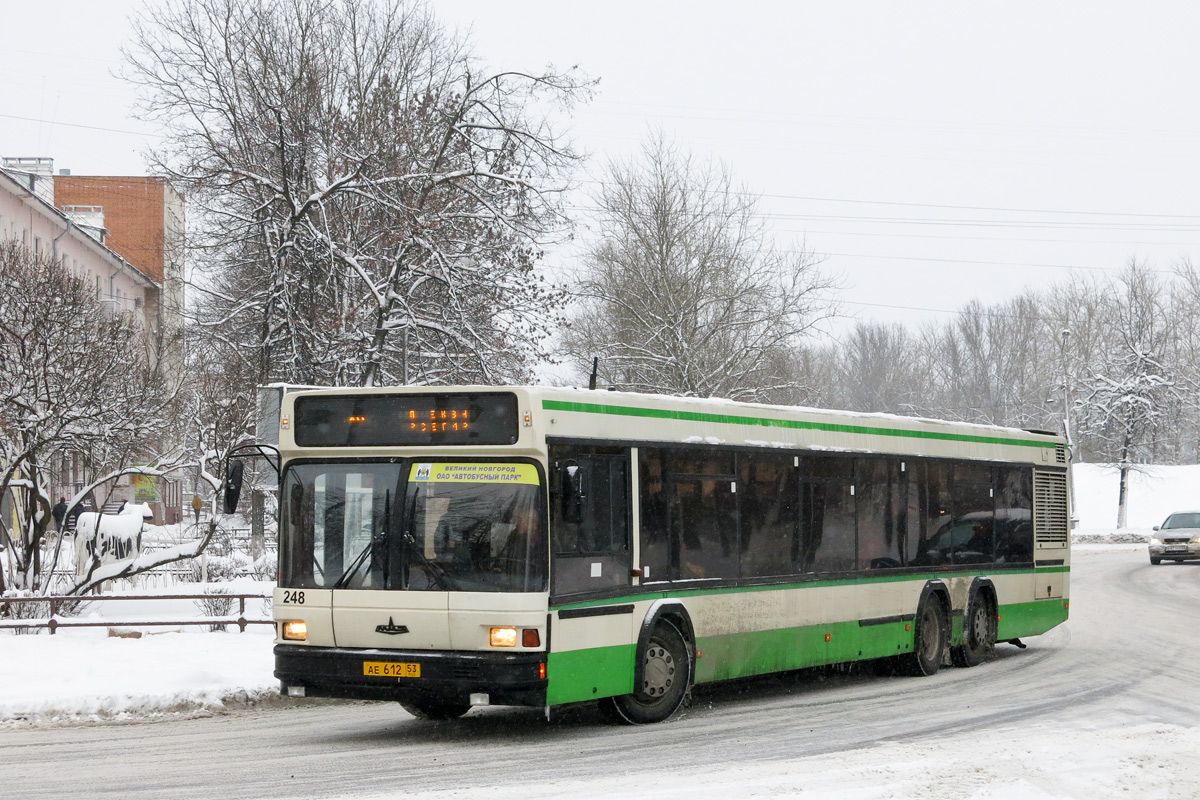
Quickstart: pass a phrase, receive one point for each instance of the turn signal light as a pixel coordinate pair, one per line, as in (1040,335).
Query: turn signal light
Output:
(530,637)
(503,637)
(295,630)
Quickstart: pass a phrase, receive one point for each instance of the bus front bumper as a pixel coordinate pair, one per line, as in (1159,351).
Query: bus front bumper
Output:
(506,678)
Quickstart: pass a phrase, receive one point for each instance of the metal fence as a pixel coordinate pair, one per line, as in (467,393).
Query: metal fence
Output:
(53,621)
(166,577)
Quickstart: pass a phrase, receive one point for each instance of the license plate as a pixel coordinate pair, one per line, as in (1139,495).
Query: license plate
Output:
(391,669)
(1176,549)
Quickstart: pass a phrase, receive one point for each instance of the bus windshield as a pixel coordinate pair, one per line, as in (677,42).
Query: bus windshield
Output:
(417,526)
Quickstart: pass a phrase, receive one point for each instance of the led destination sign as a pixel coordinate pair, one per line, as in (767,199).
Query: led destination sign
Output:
(389,420)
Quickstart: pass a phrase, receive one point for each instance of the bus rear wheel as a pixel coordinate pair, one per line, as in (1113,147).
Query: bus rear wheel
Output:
(979,634)
(436,708)
(929,639)
(667,676)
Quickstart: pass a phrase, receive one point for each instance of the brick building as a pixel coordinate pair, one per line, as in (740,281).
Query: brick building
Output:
(142,219)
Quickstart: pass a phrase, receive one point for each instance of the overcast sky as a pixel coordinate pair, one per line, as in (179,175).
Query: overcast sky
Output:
(932,152)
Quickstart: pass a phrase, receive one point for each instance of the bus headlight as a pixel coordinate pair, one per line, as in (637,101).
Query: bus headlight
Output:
(295,630)
(503,637)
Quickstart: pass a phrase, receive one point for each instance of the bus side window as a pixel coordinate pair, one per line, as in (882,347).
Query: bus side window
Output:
(589,518)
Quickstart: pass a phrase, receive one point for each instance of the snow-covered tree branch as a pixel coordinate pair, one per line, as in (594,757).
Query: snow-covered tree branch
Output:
(73,382)
(370,203)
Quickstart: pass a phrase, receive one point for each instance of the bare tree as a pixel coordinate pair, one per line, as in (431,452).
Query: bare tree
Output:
(1128,397)
(220,407)
(682,291)
(371,203)
(878,368)
(1184,306)
(72,380)
(987,364)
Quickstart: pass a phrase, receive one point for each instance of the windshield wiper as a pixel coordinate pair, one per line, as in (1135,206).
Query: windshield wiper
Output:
(438,574)
(357,563)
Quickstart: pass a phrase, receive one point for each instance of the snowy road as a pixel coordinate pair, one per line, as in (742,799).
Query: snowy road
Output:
(1105,706)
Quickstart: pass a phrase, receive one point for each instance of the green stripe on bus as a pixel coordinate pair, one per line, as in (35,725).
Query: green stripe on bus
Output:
(590,674)
(767,422)
(741,655)
(1030,619)
(597,672)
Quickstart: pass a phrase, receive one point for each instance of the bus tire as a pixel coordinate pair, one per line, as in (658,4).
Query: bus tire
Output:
(667,669)
(929,638)
(436,708)
(979,632)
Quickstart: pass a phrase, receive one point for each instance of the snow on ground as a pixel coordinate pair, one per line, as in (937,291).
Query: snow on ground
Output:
(1143,761)
(83,674)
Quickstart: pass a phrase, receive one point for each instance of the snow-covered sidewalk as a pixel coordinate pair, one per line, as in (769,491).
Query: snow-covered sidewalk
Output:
(86,675)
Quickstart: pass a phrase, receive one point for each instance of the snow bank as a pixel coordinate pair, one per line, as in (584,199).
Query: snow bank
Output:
(84,674)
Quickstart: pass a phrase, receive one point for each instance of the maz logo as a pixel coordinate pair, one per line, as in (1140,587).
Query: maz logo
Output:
(391,628)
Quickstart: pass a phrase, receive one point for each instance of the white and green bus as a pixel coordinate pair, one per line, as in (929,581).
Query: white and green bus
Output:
(456,546)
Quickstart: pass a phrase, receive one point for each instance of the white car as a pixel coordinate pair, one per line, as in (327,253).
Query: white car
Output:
(1178,538)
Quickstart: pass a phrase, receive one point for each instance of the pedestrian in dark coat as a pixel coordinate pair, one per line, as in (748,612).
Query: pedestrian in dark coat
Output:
(60,513)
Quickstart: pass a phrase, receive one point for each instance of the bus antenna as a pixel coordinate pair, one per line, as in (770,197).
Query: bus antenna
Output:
(595,366)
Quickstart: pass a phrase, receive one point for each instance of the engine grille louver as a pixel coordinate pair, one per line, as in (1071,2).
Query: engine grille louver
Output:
(1051,520)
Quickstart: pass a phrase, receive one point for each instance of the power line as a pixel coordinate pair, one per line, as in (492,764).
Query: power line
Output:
(974,312)
(962,261)
(726,114)
(1006,239)
(77,125)
(952,206)
(983,208)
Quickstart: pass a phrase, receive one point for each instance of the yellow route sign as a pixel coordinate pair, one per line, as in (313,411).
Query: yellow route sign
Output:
(432,472)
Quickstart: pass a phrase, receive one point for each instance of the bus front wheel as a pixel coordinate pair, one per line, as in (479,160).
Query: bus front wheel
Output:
(436,708)
(667,675)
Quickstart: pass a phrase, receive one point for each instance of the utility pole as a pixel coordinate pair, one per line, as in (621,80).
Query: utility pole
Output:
(1064,337)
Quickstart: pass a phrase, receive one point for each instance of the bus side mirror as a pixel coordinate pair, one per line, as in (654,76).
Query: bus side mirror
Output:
(572,494)
(233,485)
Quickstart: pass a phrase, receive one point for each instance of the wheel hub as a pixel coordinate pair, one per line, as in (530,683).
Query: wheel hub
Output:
(979,624)
(658,671)
(930,636)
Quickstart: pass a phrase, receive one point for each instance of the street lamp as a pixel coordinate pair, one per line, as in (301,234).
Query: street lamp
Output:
(1063,337)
